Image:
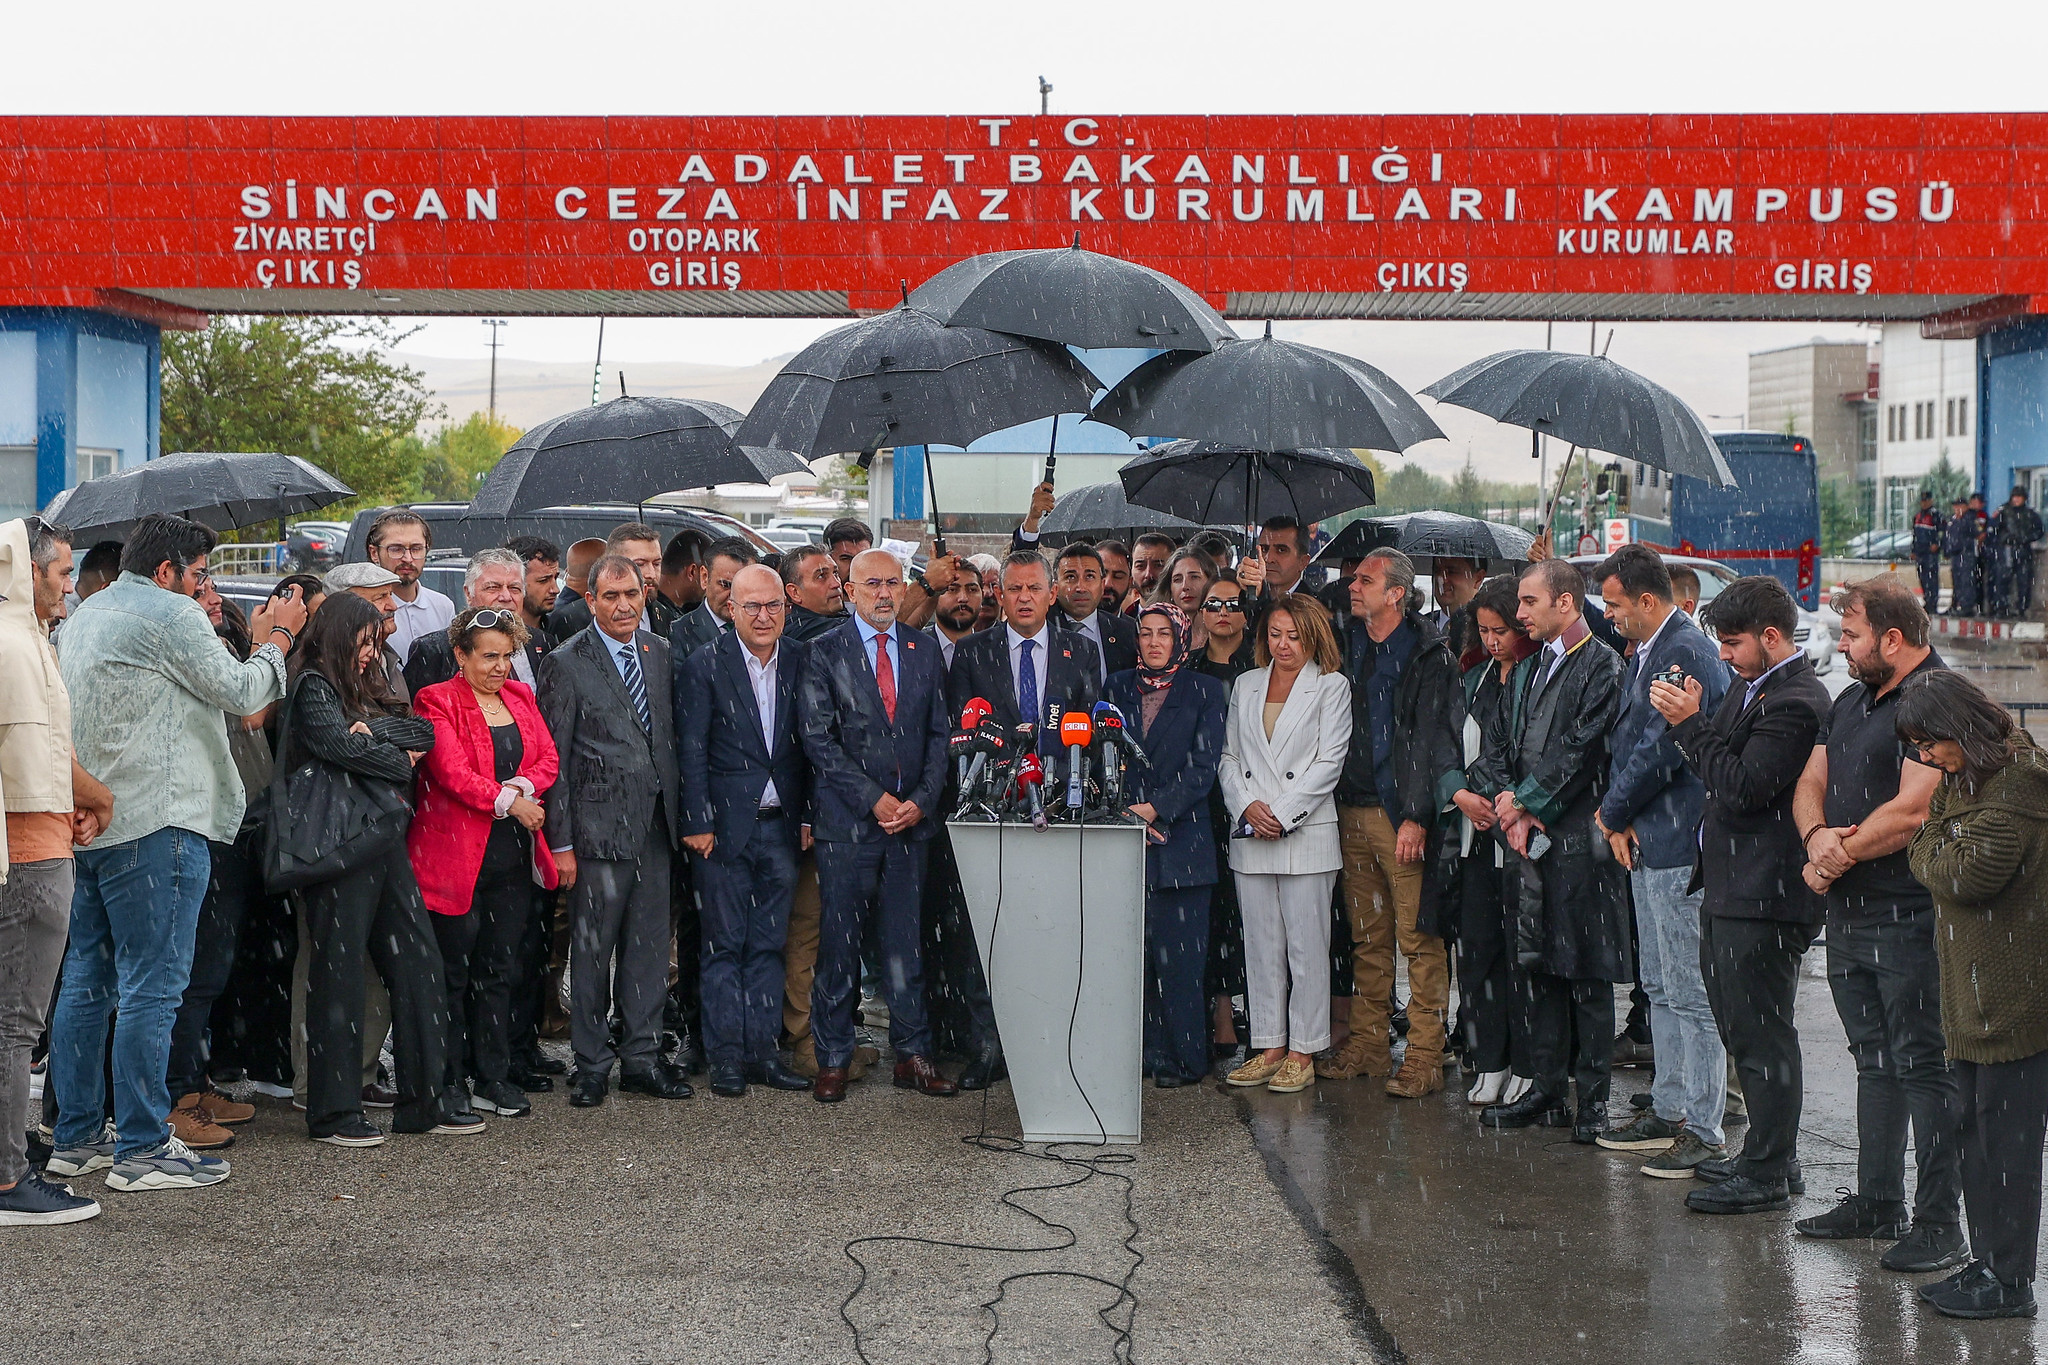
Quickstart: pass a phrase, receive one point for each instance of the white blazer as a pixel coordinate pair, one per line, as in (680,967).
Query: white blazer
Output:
(1295,772)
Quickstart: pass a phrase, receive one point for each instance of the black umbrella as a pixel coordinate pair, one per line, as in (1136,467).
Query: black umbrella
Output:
(1423,536)
(902,378)
(222,491)
(1267,395)
(1219,484)
(626,450)
(1075,297)
(1590,402)
(1101,512)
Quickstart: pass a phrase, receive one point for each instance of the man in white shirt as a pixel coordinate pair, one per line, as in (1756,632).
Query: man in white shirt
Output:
(399,542)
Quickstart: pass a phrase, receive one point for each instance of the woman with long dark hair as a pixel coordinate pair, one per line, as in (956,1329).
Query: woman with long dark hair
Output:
(339,713)
(1223,651)
(1981,855)
(473,846)
(1489,1037)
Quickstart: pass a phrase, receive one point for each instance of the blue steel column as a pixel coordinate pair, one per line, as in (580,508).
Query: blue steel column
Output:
(56,405)
(909,484)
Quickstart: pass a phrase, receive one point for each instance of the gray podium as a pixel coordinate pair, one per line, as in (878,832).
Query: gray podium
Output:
(1060,913)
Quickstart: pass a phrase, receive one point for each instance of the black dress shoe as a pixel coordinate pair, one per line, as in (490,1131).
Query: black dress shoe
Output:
(662,1081)
(1590,1123)
(532,1082)
(1740,1194)
(984,1071)
(728,1080)
(1532,1109)
(690,1056)
(1974,1292)
(1716,1169)
(586,1091)
(773,1074)
(537,1059)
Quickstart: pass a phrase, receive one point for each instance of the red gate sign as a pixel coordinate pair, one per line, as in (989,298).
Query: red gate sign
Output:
(1836,216)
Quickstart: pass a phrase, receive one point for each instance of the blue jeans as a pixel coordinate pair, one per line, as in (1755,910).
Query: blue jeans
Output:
(1692,1065)
(745,922)
(133,916)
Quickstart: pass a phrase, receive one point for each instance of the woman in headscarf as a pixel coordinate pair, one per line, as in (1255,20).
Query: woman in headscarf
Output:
(1177,716)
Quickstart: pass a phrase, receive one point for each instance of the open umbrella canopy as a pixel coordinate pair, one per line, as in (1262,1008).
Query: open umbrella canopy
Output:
(627,450)
(1423,536)
(222,491)
(1591,402)
(1075,297)
(1267,395)
(904,378)
(1215,483)
(1100,511)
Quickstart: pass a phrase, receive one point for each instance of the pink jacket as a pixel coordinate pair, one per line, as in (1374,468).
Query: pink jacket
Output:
(458,791)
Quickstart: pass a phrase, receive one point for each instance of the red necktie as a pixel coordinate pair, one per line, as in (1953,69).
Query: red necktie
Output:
(885,677)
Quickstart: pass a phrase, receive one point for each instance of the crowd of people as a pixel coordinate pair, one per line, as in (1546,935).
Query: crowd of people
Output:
(685,805)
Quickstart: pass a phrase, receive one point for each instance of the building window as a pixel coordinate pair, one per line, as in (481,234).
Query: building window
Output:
(1962,417)
(96,462)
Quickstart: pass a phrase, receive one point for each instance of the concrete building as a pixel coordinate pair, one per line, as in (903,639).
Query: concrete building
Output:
(1820,390)
(78,398)
(1927,409)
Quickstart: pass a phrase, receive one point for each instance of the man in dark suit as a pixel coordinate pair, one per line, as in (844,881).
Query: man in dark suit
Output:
(1026,661)
(1758,915)
(745,819)
(1078,584)
(495,578)
(1650,818)
(874,731)
(613,820)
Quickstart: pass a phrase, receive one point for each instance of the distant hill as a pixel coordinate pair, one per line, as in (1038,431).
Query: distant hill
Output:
(531,391)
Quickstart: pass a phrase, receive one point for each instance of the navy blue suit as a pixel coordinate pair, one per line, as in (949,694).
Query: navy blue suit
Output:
(866,876)
(748,882)
(1650,785)
(1184,745)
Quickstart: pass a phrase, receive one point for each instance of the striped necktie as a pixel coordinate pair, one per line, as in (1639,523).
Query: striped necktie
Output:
(636,686)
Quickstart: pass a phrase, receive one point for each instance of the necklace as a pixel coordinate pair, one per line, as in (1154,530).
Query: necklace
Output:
(489,704)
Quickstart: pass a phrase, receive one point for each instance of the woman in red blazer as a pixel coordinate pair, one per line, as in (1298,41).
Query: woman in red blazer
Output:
(473,842)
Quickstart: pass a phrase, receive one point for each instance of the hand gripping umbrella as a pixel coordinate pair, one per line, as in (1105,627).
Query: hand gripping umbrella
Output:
(626,450)
(903,378)
(222,491)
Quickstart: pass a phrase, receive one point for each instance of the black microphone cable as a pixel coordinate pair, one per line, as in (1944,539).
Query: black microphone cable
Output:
(1122,1347)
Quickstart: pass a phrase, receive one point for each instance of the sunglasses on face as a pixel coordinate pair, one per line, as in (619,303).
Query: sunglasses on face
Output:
(1224,604)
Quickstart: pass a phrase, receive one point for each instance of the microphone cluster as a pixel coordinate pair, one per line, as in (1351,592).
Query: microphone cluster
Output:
(1002,775)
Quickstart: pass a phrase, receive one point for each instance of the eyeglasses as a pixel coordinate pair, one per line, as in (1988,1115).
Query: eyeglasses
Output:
(1224,604)
(877,584)
(490,618)
(760,608)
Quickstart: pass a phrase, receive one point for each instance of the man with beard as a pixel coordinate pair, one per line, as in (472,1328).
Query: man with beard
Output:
(400,541)
(817,597)
(958,615)
(543,587)
(1545,766)
(1116,573)
(1861,799)
(1148,561)
(681,594)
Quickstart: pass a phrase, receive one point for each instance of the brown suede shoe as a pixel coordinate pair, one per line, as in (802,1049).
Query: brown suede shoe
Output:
(803,1059)
(195,1130)
(830,1085)
(1417,1077)
(217,1108)
(1352,1060)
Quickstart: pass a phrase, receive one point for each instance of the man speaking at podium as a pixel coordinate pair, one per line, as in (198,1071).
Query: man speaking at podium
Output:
(873,715)
(1028,661)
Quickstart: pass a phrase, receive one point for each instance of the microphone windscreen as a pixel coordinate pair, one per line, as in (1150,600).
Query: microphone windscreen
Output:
(1076,728)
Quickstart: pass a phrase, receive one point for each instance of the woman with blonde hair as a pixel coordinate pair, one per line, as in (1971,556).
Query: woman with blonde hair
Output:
(1288,731)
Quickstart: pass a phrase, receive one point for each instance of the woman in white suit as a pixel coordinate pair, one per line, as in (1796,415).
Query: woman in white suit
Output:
(1289,728)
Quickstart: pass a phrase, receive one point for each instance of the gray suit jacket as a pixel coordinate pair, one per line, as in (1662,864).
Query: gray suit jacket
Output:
(613,772)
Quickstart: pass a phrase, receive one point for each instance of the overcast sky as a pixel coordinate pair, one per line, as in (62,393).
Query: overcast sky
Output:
(890,56)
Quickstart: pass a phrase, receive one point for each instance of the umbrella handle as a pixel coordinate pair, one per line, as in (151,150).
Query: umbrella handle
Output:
(1550,511)
(932,483)
(1053,446)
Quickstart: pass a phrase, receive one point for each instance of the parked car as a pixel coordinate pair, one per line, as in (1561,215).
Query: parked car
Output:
(454,529)
(1816,632)
(314,546)
(789,537)
(1882,544)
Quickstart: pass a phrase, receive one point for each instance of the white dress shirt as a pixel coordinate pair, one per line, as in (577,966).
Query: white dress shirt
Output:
(762,677)
(1042,641)
(428,612)
(1091,627)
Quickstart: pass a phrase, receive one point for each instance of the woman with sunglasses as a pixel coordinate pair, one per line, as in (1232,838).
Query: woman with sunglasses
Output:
(473,846)
(339,713)
(1482,934)
(1178,718)
(1223,652)
(1980,854)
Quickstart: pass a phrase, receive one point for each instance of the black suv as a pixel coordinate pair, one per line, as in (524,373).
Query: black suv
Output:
(455,529)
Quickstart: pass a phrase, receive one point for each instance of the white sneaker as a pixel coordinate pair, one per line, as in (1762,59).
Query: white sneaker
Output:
(1518,1086)
(1489,1087)
(172,1166)
(84,1160)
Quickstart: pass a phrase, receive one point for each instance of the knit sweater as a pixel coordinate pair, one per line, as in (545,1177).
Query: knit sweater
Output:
(1982,857)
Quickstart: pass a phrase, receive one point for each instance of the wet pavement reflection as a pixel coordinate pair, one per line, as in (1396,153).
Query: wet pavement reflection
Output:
(1521,1248)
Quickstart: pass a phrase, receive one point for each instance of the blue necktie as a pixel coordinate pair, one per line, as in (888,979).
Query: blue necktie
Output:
(1027,685)
(636,686)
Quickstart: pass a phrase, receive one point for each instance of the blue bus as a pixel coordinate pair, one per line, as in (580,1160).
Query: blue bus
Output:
(1768,523)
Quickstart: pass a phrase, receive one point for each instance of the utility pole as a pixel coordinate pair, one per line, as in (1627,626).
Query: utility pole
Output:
(1044,93)
(494,324)
(597,370)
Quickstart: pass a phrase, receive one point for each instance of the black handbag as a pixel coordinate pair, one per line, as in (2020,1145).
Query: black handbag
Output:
(326,822)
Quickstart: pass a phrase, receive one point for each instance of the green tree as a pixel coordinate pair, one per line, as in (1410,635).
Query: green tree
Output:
(1411,487)
(1946,482)
(322,388)
(1843,515)
(451,464)
(1468,492)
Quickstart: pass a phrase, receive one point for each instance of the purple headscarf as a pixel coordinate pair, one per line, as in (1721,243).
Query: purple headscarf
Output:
(1159,679)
